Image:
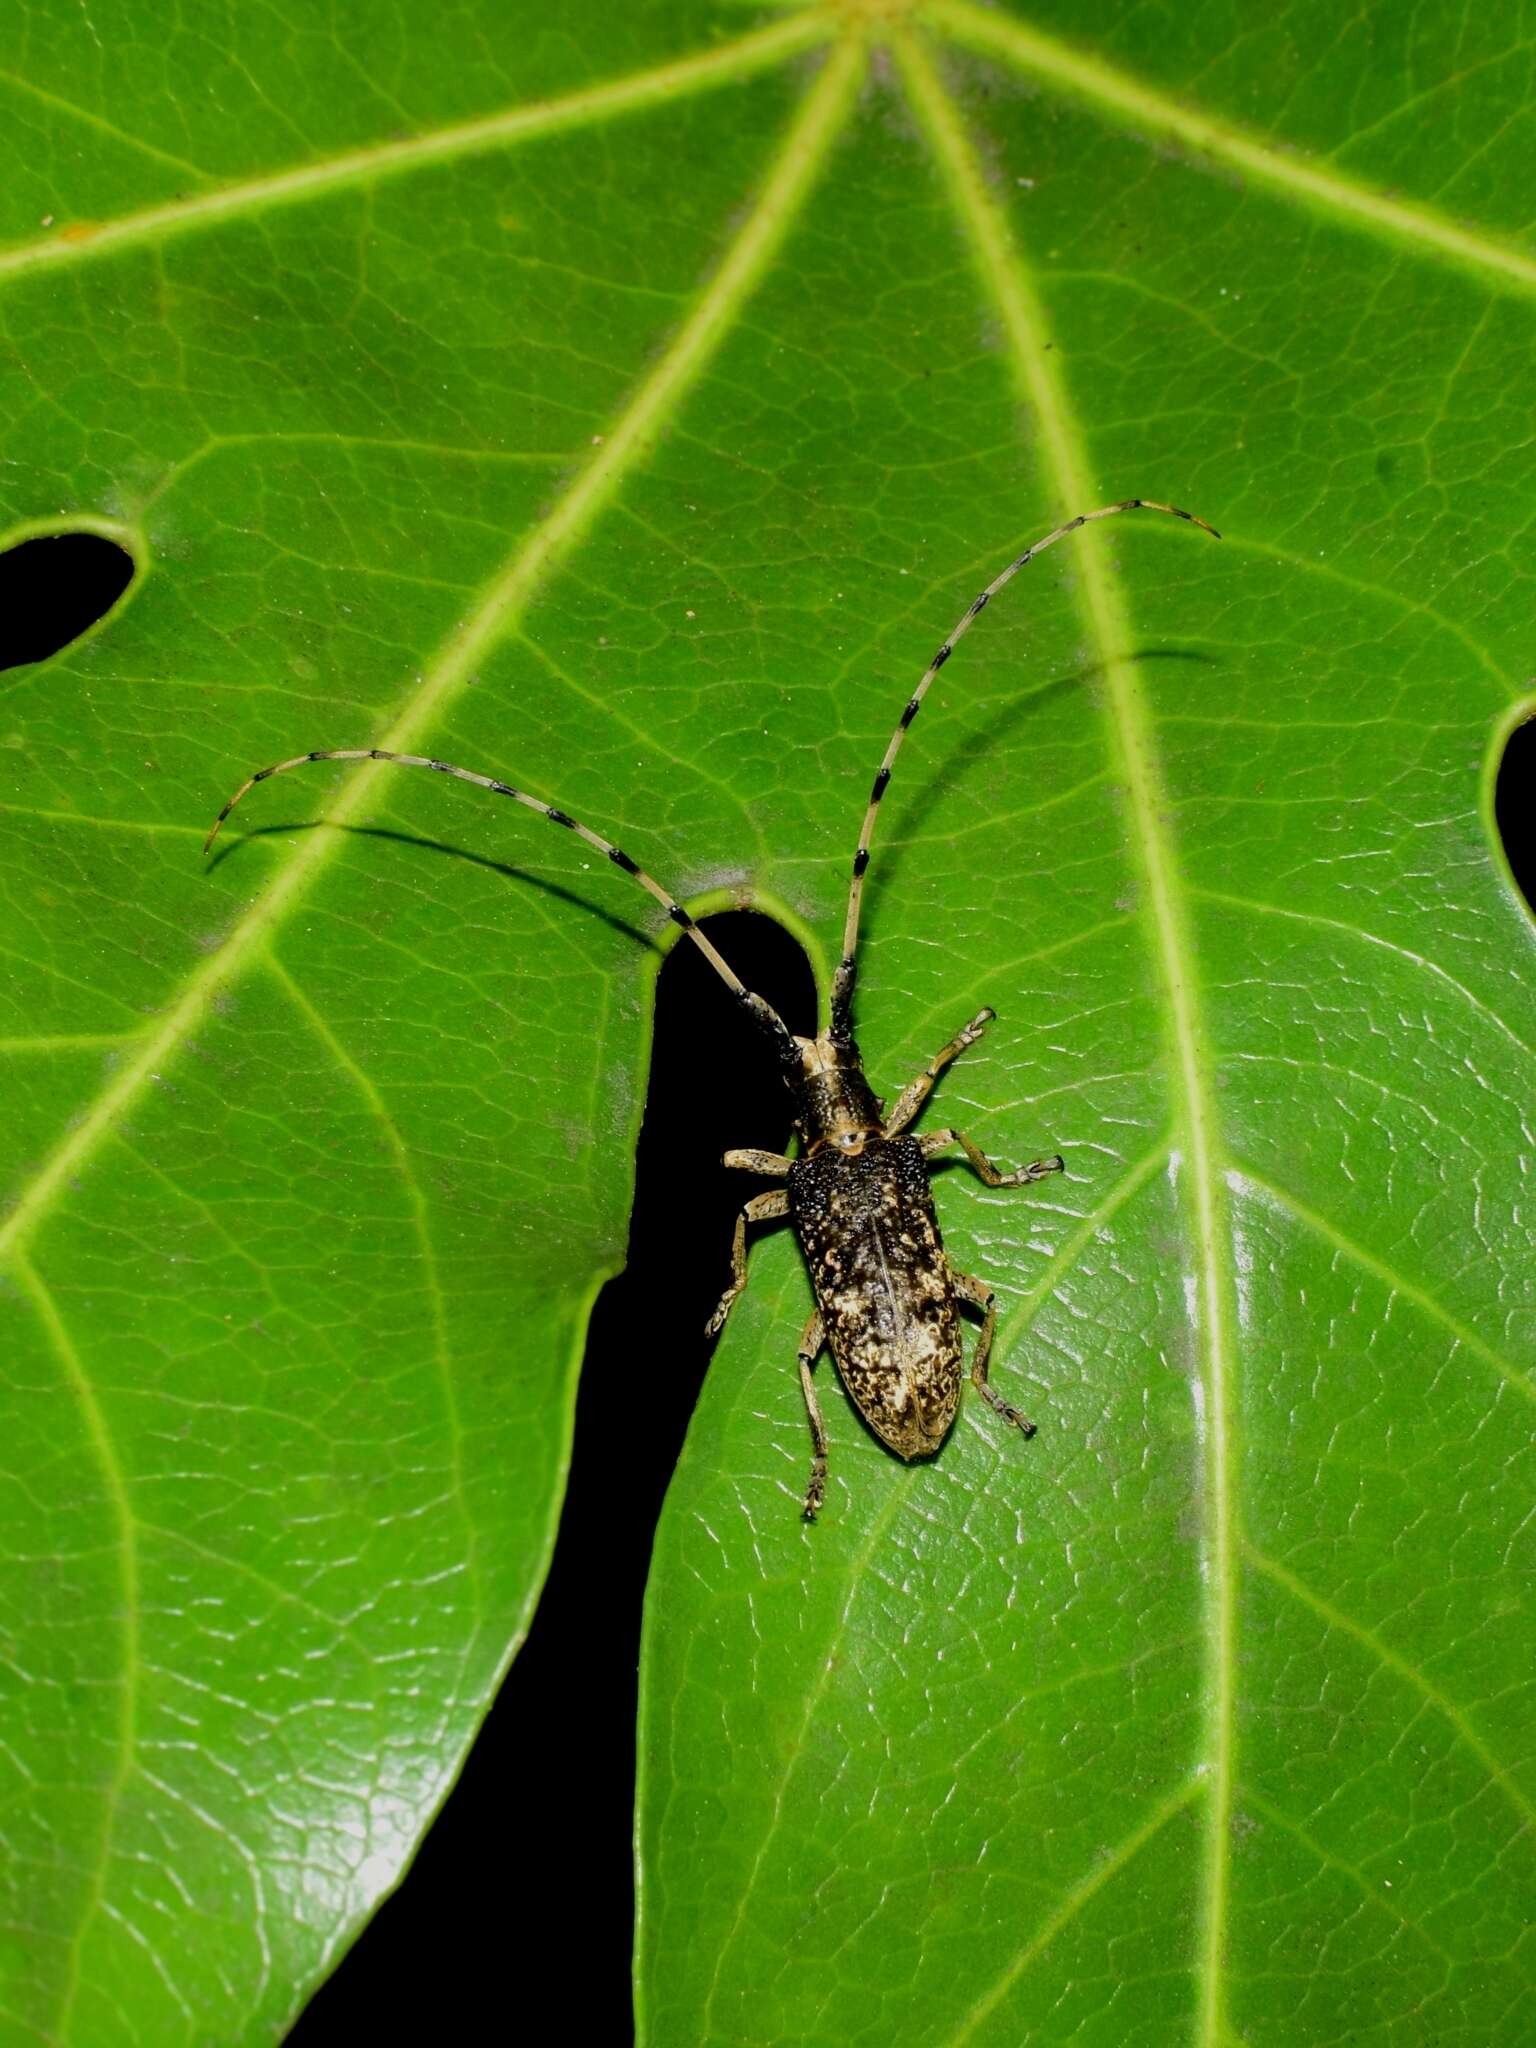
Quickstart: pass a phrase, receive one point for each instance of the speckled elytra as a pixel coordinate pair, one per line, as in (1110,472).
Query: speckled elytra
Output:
(888,1299)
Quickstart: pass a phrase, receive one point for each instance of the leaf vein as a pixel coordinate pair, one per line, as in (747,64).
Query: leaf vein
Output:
(1270,1568)
(1357,1877)
(152,225)
(856,1572)
(1109,1866)
(1354,931)
(1420,228)
(115,1485)
(1073,1246)
(1007,280)
(1321,1226)
(421,1226)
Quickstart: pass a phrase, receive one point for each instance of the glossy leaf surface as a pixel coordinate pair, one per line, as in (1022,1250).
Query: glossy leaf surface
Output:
(628,414)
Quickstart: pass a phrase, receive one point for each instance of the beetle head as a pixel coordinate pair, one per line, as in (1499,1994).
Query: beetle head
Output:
(834,1104)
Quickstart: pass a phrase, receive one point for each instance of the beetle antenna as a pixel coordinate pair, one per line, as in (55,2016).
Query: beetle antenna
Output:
(761,1010)
(847,970)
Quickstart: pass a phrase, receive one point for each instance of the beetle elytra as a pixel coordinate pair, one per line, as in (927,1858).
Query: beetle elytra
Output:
(888,1300)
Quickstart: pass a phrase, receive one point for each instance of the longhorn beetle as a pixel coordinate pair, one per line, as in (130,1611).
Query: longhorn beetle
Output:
(887,1299)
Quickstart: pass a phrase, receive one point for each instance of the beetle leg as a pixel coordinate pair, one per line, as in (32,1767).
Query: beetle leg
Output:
(915,1094)
(1037,1169)
(978,1295)
(759,1210)
(810,1345)
(751,1161)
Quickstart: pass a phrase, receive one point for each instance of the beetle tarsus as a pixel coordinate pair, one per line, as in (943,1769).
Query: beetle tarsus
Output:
(1037,1169)
(816,1492)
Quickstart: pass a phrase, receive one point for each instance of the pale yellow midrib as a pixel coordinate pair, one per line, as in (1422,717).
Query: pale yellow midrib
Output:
(1102,86)
(738,59)
(810,135)
(1213,1233)
(1007,282)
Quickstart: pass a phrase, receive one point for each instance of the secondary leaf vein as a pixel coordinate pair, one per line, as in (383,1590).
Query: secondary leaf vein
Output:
(115,1486)
(432,1279)
(1109,1866)
(1270,1568)
(1394,1282)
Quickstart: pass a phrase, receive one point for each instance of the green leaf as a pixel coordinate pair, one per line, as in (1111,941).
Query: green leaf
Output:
(627,413)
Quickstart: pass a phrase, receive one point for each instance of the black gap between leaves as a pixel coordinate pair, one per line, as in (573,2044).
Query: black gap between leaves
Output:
(1514,806)
(526,1876)
(52,588)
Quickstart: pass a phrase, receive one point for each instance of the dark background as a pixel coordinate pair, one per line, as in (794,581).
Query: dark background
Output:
(529,1862)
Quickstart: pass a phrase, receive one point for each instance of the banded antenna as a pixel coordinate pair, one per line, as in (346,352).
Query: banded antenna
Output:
(755,1005)
(847,969)
(764,1012)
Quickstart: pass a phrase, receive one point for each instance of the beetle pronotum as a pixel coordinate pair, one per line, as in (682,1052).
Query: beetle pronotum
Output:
(887,1298)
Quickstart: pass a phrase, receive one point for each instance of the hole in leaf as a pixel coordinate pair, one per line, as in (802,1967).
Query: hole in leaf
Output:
(530,1858)
(1514,806)
(52,588)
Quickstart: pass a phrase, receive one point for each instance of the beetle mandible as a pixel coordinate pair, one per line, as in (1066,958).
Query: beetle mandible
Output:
(888,1300)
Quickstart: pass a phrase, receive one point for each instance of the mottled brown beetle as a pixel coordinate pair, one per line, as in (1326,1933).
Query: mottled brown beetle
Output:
(887,1298)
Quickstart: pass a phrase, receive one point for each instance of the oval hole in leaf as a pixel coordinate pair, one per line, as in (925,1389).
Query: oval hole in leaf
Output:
(53,587)
(1514,806)
(553,1767)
